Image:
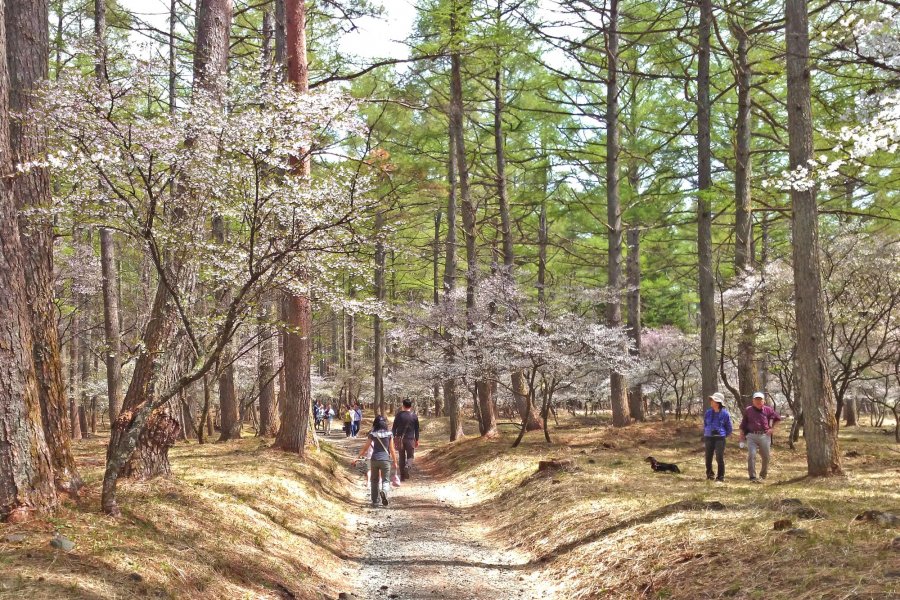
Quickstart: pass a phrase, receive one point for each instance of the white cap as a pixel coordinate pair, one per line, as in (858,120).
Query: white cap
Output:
(759,395)
(718,397)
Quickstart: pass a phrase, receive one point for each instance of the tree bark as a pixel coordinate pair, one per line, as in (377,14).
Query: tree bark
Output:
(435,264)
(517,379)
(748,379)
(486,405)
(850,412)
(617,390)
(451,400)
(813,382)
(74,379)
(280,41)
(291,435)
(113,349)
(297,310)
(706,283)
(26,470)
(228,401)
(137,426)
(268,424)
(633,270)
(28,42)
(377,325)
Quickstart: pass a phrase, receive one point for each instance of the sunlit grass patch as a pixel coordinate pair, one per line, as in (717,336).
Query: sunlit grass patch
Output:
(236,520)
(612,528)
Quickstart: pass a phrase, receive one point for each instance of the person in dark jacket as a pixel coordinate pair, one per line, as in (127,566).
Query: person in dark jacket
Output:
(406,436)
(716,427)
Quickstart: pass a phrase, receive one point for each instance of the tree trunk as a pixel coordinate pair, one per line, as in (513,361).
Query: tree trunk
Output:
(379,296)
(113,349)
(296,310)
(74,385)
(524,402)
(436,285)
(706,283)
(633,268)
(295,406)
(228,401)
(451,401)
(138,427)
(488,416)
(617,390)
(850,412)
(813,382)
(26,470)
(280,41)
(748,379)
(29,47)
(84,357)
(268,424)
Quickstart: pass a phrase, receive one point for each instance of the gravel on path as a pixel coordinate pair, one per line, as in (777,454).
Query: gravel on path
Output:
(425,546)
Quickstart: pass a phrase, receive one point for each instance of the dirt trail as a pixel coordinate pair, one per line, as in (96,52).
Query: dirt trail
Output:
(425,545)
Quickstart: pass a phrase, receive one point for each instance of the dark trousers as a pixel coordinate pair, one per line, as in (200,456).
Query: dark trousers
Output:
(407,452)
(715,444)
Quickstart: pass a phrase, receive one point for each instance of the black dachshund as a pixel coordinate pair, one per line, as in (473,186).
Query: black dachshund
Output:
(662,467)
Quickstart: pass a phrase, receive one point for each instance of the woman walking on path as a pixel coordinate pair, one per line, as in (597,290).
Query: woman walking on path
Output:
(716,427)
(383,456)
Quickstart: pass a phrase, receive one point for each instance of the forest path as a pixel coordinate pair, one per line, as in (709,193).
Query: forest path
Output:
(427,545)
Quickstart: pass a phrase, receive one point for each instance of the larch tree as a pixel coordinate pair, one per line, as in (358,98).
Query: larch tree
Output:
(26,469)
(748,379)
(618,393)
(706,279)
(483,388)
(296,309)
(812,378)
(28,51)
(113,350)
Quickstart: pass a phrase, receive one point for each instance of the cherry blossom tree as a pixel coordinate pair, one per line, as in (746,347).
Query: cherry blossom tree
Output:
(132,171)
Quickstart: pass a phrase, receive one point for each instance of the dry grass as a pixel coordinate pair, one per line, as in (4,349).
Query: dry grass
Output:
(613,529)
(237,520)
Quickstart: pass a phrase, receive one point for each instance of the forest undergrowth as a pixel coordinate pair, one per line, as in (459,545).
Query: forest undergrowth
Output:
(239,520)
(609,527)
(236,520)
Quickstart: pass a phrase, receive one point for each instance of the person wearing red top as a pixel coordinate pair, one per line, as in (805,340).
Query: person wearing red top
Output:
(756,429)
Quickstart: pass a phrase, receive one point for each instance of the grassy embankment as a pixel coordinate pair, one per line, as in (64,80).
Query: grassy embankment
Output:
(237,520)
(611,528)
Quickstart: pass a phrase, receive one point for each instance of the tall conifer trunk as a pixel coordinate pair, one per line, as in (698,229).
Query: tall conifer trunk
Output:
(706,282)
(296,309)
(814,389)
(26,469)
(28,51)
(617,391)
(483,388)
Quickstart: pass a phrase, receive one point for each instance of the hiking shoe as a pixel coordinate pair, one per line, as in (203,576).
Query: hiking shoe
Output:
(755,480)
(384,501)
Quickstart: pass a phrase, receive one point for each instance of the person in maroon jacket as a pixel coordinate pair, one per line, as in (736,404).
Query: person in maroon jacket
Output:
(756,429)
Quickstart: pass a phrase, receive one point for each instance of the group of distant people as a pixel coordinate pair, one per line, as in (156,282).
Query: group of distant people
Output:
(756,429)
(324,415)
(385,448)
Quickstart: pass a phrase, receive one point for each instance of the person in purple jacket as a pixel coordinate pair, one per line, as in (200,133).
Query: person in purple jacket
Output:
(756,429)
(716,427)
